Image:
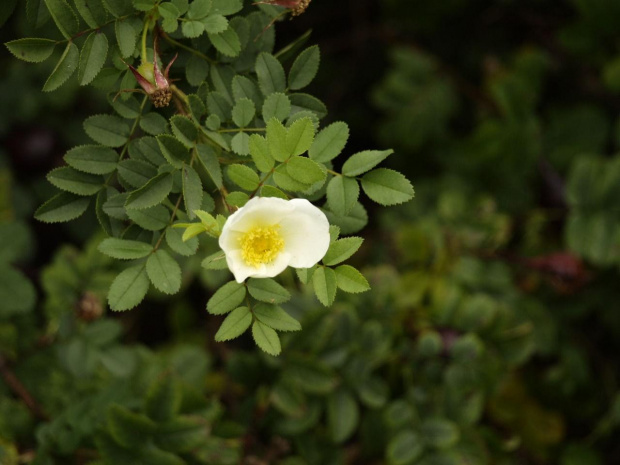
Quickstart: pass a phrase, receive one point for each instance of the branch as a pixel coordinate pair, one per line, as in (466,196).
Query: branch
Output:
(20,390)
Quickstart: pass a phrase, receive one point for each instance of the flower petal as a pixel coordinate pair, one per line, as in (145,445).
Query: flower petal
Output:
(306,234)
(259,211)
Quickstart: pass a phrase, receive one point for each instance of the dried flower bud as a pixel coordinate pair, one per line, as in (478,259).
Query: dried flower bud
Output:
(154,83)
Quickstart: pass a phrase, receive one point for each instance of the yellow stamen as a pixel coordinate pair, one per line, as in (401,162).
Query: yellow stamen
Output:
(261,245)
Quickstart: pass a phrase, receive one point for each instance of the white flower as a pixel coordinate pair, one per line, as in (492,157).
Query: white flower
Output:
(268,234)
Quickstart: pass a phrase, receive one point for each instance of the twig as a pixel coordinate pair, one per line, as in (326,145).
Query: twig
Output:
(20,390)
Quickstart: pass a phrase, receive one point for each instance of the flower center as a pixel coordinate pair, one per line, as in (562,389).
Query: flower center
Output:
(260,245)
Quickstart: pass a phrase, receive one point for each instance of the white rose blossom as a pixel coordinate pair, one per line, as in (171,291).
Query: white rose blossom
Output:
(268,234)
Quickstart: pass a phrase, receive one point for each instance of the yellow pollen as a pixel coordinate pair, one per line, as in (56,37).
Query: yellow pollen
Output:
(260,245)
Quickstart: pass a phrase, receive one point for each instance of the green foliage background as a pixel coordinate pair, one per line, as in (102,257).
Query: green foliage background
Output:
(490,333)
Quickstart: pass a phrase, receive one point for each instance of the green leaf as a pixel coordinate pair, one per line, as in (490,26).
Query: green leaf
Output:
(215,24)
(235,324)
(440,433)
(342,249)
(126,37)
(350,280)
(361,162)
(129,288)
(286,182)
(174,239)
(227,298)
(6,10)
(76,182)
(168,10)
(93,57)
(342,415)
(304,68)
(243,112)
(266,338)
(244,176)
(306,102)
(373,392)
(304,170)
(208,159)
(93,159)
(342,194)
(276,139)
(277,105)
(152,193)
(17,293)
(354,221)
(37,13)
(312,376)
(184,129)
(114,206)
(270,191)
(108,130)
(324,282)
(129,428)
(219,105)
(288,400)
(152,219)
(404,448)
(92,11)
(198,9)
(136,173)
(259,150)
(271,77)
(163,399)
(65,18)
(192,190)
(226,7)
(215,261)
(62,207)
(237,199)
(192,29)
(240,143)
(329,142)
(268,290)
(226,42)
(65,67)
(164,272)
(387,187)
(305,274)
(144,5)
(242,87)
(173,150)
(31,49)
(276,318)
(118,8)
(300,136)
(196,70)
(153,123)
(124,249)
